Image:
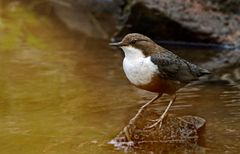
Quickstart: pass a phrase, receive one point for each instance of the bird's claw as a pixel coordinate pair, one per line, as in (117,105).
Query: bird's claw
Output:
(157,122)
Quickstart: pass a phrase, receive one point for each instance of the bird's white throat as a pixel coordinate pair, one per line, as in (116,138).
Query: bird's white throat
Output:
(138,68)
(132,53)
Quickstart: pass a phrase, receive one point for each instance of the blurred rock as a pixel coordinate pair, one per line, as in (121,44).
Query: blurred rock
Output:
(89,17)
(189,20)
(228,6)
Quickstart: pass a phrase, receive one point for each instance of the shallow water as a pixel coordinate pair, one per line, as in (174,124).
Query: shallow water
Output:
(65,93)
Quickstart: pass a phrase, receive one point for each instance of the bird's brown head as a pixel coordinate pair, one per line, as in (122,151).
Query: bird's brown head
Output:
(137,41)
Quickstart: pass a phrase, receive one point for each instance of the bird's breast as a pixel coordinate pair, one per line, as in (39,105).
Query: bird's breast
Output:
(139,71)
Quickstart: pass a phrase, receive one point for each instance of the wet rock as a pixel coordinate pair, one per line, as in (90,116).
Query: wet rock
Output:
(226,67)
(228,6)
(88,17)
(175,131)
(224,60)
(190,20)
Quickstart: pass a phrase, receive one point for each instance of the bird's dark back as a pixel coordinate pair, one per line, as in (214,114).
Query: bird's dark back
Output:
(173,67)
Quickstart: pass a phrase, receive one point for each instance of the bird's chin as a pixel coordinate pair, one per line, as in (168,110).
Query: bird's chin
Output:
(125,46)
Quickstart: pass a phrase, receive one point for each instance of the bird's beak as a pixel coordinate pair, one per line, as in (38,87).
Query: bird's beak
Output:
(117,44)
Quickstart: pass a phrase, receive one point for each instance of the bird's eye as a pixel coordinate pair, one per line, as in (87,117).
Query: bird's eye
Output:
(133,42)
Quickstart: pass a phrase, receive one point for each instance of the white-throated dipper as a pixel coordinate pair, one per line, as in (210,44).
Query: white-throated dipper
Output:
(153,68)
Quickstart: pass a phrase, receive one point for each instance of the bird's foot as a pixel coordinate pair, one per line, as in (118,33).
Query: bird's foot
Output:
(157,122)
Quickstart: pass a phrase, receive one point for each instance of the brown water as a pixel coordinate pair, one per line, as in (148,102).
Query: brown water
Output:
(64,93)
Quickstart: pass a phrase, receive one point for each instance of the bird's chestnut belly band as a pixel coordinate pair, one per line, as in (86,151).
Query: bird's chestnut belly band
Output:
(160,85)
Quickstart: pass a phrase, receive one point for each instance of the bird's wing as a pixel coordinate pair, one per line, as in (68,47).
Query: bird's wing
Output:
(172,67)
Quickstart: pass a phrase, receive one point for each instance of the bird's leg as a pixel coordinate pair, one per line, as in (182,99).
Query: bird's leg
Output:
(159,121)
(143,107)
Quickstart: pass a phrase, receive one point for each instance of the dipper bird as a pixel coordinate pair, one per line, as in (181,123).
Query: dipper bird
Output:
(153,68)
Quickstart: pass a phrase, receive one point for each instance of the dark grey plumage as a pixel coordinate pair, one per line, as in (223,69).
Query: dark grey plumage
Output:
(172,67)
